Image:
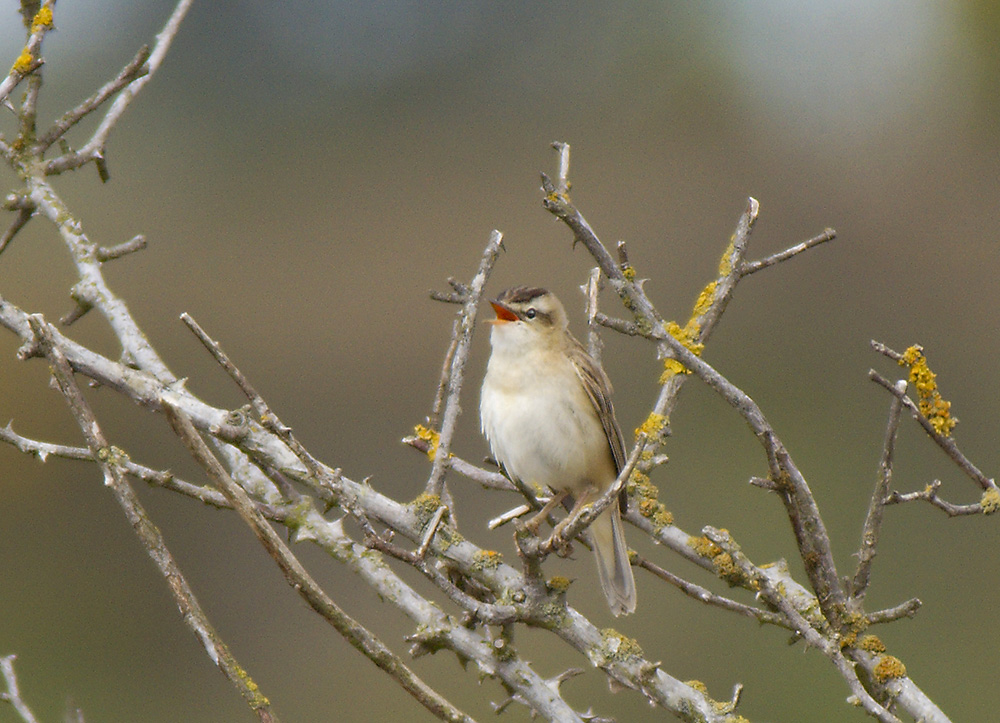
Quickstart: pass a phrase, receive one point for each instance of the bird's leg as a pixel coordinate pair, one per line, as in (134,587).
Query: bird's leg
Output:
(534,523)
(584,499)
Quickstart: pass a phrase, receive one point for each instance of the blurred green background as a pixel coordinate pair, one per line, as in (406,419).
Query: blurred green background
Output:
(306,172)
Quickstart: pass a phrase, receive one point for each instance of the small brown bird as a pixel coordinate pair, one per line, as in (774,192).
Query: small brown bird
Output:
(546,412)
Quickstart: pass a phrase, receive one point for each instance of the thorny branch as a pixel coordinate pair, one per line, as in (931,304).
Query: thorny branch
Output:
(458,357)
(295,573)
(265,461)
(682,347)
(42,344)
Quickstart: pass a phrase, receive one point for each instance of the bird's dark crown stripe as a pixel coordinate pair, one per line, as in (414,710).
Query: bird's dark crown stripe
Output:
(522,294)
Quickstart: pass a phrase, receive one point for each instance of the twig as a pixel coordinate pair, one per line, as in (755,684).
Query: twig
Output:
(29,61)
(434,418)
(749,267)
(929,494)
(489,480)
(94,148)
(435,483)
(590,292)
(484,612)
(92,288)
(873,521)
(13,694)
(107,458)
(137,243)
(904,610)
(300,580)
(947,444)
(563,178)
(511,514)
(707,596)
(135,69)
(323,479)
(811,636)
(157,478)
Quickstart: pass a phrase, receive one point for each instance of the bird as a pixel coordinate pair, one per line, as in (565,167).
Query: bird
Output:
(546,412)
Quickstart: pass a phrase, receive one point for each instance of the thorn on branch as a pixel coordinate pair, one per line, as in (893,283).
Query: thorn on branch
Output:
(102,166)
(77,313)
(23,216)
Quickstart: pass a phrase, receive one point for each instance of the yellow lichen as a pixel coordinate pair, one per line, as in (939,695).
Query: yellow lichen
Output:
(645,493)
(935,409)
(872,644)
(704,547)
(671,368)
(619,647)
(431,436)
(487,560)
(889,667)
(23,63)
(688,336)
(697,685)
(42,19)
(704,300)
(653,426)
(628,271)
(990,501)
(424,507)
(558,583)
(726,262)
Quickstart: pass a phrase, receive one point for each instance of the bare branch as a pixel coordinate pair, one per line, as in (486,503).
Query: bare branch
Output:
(157,478)
(590,291)
(151,538)
(563,177)
(136,68)
(13,694)
(710,598)
(300,580)
(94,148)
(811,636)
(873,521)
(29,61)
(489,480)
(435,483)
(137,243)
(929,494)
(749,267)
(947,444)
(904,610)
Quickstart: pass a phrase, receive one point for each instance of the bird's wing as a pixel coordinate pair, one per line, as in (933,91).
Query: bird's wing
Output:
(598,388)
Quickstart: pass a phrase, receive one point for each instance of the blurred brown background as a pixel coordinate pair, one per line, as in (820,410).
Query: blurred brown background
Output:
(306,172)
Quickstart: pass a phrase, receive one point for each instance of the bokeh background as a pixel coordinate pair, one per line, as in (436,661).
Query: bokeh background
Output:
(306,172)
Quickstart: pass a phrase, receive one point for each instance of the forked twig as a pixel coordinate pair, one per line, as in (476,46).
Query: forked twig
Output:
(456,374)
(148,534)
(300,580)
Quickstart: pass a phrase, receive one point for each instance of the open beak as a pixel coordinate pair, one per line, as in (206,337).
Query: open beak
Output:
(503,314)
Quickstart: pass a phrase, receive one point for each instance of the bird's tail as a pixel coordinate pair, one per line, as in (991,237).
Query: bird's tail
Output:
(612,561)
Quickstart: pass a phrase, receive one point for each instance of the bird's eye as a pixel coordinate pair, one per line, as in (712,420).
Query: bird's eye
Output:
(530,313)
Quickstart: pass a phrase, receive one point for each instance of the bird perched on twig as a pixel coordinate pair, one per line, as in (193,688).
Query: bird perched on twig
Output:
(546,412)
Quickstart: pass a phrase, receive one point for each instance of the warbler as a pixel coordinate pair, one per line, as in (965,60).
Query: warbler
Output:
(546,412)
